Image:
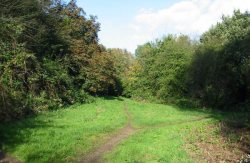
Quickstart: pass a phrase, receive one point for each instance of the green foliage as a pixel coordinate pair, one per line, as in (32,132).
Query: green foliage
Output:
(162,67)
(50,57)
(122,60)
(218,73)
(213,72)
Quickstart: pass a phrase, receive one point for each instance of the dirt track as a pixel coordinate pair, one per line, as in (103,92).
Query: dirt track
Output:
(7,159)
(96,155)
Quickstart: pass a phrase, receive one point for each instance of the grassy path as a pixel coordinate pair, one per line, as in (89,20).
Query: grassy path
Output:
(111,130)
(63,135)
(96,155)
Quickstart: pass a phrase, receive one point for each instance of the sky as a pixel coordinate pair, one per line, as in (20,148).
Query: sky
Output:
(128,23)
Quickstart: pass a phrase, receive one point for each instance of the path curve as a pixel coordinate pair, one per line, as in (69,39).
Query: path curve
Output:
(96,156)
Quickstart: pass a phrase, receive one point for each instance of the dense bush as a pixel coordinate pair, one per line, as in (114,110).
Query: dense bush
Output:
(160,69)
(219,73)
(213,71)
(50,57)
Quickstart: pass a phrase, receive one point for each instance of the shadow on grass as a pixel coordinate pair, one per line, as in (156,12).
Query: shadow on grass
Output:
(16,133)
(186,105)
(113,98)
(234,119)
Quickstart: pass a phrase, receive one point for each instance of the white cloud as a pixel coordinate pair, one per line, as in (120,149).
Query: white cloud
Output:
(191,17)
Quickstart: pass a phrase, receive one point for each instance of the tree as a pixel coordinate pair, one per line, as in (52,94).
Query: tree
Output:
(50,57)
(163,67)
(218,72)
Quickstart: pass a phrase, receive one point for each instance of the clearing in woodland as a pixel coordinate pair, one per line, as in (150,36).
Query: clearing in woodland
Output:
(123,130)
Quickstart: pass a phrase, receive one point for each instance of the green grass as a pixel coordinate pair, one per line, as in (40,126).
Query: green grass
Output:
(150,114)
(156,142)
(64,135)
(154,145)
(61,135)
